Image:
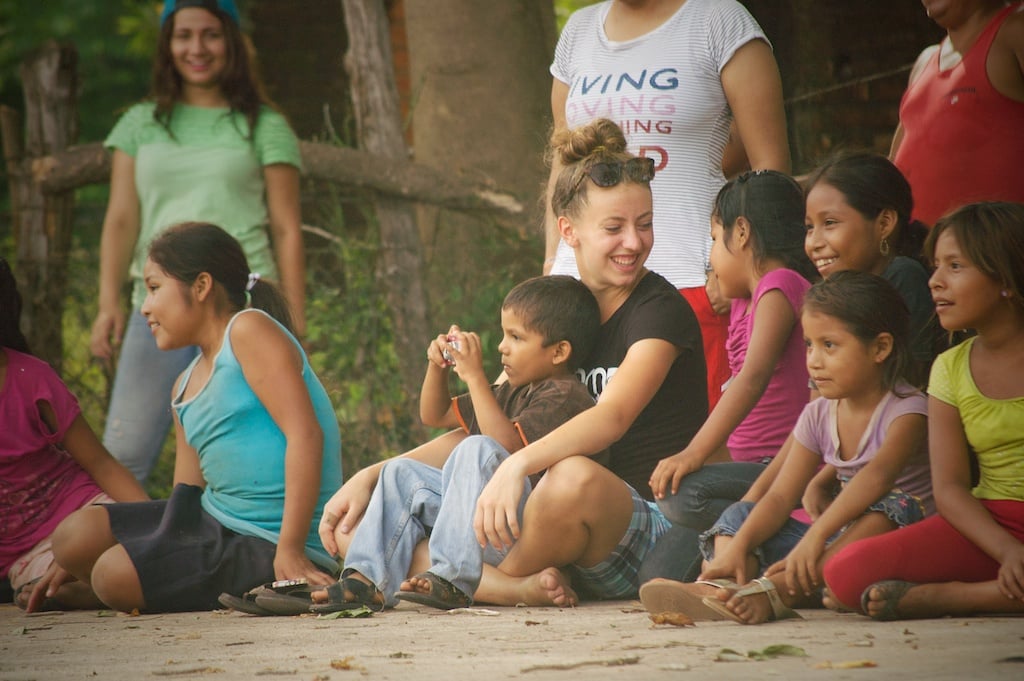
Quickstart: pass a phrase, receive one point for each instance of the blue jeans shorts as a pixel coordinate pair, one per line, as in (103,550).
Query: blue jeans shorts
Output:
(899,507)
(771,551)
(616,576)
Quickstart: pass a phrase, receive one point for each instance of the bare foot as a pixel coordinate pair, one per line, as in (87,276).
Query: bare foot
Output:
(349,595)
(548,587)
(885,601)
(752,609)
(416,584)
(830,602)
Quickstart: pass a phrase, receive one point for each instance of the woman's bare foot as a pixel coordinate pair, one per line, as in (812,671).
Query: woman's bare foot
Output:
(549,587)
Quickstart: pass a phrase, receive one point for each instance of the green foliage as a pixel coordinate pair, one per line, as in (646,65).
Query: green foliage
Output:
(563,8)
(114,38)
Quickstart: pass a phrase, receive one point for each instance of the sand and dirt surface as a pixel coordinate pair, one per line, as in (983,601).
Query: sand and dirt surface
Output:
(612,640)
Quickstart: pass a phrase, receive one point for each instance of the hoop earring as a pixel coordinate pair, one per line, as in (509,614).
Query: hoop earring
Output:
(883,247)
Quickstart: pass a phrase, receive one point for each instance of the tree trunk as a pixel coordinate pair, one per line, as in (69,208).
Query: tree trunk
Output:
(42,222)
(379,131)
(482,111)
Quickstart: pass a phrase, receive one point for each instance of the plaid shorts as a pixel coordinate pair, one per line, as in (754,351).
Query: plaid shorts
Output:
(615,577)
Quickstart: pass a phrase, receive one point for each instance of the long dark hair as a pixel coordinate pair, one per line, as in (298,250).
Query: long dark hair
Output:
(186,250)
(773,204)
(10,311)
(869,305)
(871,183)
(240,83)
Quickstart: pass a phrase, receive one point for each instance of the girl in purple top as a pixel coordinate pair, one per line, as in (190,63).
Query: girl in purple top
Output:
(868,428)
(757,256)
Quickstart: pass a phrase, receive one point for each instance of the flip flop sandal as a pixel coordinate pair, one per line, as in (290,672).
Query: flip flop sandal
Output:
(761,585)
(245,603)
(893,591)
(273,598)
(443,594)
(286,597)
(349,593)
(669,595)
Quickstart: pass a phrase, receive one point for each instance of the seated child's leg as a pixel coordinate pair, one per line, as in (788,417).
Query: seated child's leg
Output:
(81,539)
(705,494)
(403,507)
(774,549)
(455,554)
(676,556)
(930,551)
(116,582)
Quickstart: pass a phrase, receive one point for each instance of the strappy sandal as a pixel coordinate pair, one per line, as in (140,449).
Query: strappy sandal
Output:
(349,593)
(761,585)
(892,591)
(285,597)
(443,595)
(669,595)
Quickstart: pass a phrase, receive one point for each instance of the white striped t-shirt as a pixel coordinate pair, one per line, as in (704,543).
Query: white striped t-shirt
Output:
(664,90)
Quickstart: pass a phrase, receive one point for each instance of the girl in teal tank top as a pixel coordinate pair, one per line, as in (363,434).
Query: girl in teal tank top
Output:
(258,448)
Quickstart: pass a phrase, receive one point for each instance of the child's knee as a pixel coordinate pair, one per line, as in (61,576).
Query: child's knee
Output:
(115,581)
(576,483)
(81,535)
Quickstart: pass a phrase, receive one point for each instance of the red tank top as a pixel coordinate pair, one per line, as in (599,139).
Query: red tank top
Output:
(963,141)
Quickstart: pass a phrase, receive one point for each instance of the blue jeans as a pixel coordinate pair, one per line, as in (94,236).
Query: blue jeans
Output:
(704,494)
(401,513)
(455,554)
(675,556)
(774,549)
(139,415)
(412,501)
(702,497)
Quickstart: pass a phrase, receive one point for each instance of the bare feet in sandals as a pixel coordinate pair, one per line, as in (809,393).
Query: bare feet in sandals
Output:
(428,589)
(757,602)
(687,598)
(350,592)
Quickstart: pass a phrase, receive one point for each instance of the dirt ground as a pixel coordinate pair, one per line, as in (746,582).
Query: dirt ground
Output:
(613,640)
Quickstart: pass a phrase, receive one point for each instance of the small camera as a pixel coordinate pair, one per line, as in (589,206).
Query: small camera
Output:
(447,355)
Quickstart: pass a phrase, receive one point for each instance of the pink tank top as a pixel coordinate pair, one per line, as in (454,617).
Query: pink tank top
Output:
(963,141)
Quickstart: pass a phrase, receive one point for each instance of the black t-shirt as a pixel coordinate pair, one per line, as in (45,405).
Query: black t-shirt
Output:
(676,412)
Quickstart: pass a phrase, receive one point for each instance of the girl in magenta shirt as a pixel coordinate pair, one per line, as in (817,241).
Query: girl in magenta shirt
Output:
(51,464)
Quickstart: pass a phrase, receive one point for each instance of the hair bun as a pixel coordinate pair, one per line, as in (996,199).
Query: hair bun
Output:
(600,135)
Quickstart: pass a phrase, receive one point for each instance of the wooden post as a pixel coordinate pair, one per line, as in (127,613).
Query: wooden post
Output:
(379,131)
(42,222)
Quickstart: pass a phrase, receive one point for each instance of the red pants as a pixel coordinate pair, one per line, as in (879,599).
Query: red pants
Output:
(714,329)
(928,552)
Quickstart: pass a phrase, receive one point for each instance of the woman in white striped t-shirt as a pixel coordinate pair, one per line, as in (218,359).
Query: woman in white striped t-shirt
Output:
(673,74)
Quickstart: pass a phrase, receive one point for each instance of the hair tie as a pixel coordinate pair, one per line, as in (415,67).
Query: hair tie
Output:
(253,278)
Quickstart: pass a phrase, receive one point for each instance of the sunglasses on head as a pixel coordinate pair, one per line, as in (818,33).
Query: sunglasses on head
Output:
(611,173)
